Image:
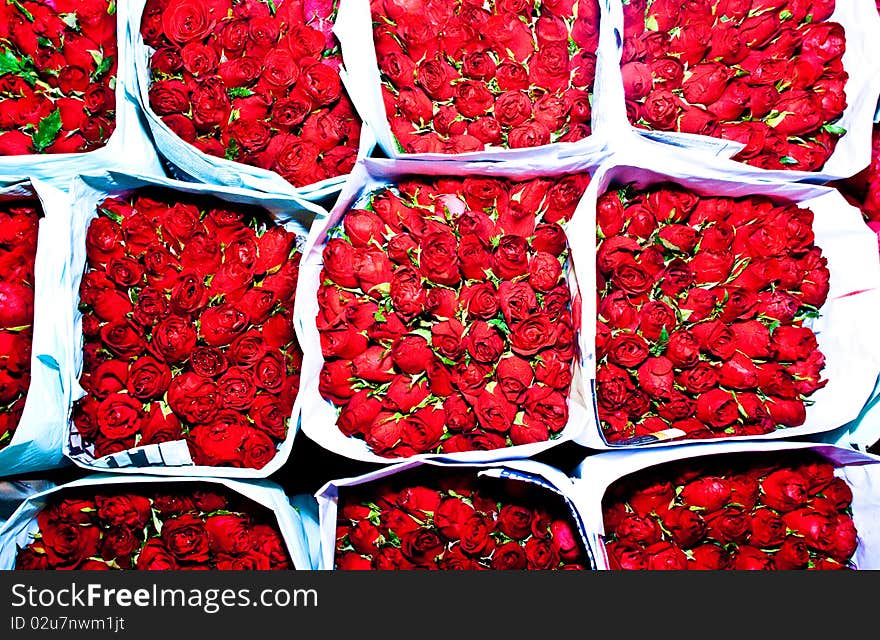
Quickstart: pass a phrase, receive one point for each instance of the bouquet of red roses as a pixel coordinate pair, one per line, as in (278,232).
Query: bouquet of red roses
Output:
(779,510)
(19,222)
(58,64)
(461,77)
(704,306)
(455,520)
(253,81)
(445,317)
(766,73)
(187,329)
(170,526)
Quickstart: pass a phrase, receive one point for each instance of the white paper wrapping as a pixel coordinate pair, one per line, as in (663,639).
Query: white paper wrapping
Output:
(318,416)
(861,60)
(845,331)
(595,474)
(18,530)
(37,442)
(354,29)
(194,165)
(524,470)
(128,149)
(167,458)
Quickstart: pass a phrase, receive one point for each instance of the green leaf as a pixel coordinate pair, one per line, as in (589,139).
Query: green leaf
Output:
(787,160)
(239,92)
(379,316)
(773,120)
(70,20)
(231,150)
(9,63)
(111,8)
(834,130)
(651,23)
(103,67)
(785,14)
(44,42)
(27,14)
(272,8)
(115,217)
(47,130)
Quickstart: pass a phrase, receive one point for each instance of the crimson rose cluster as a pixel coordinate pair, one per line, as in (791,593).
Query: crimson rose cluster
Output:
(455,521)
(187,329)
(58,64)
(176,527)
(766,73)
(463,76)
(253,81)
(445,318)
(736,511)
(19,225)
(703,306)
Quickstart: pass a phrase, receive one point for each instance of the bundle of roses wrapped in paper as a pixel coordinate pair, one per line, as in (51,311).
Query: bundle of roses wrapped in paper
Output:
(453,518)
(34,241)
(443,312)
(772,506)
(186,305)
(772,76)
(468,77)
(104,523)
(253,84)
(62,92)
(727,310)
(58,65)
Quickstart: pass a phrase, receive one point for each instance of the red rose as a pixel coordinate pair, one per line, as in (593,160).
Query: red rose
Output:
(532,334)
(627,350)
(767,529)
(186,539)
(656,377)
(784,490)
(193,397)
(67,545)
(717,408)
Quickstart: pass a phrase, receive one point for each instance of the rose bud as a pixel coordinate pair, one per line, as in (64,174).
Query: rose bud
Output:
(817,529)
(374,365)
(788,413)
(818,474)
(565,540)
(664,556)
(768,529)
(685,526)
(683,349)
(654,498)
(717,408)
(411,354)
(715,338)
(656,377)
(748,558)
(640,529)
(627,350)
(738,373)
(709,557)
(793,553)
(698,304)
(845,539)
(709,493)
(625,555)
(514,376)
(838,493)
(450,517)
(784,490)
